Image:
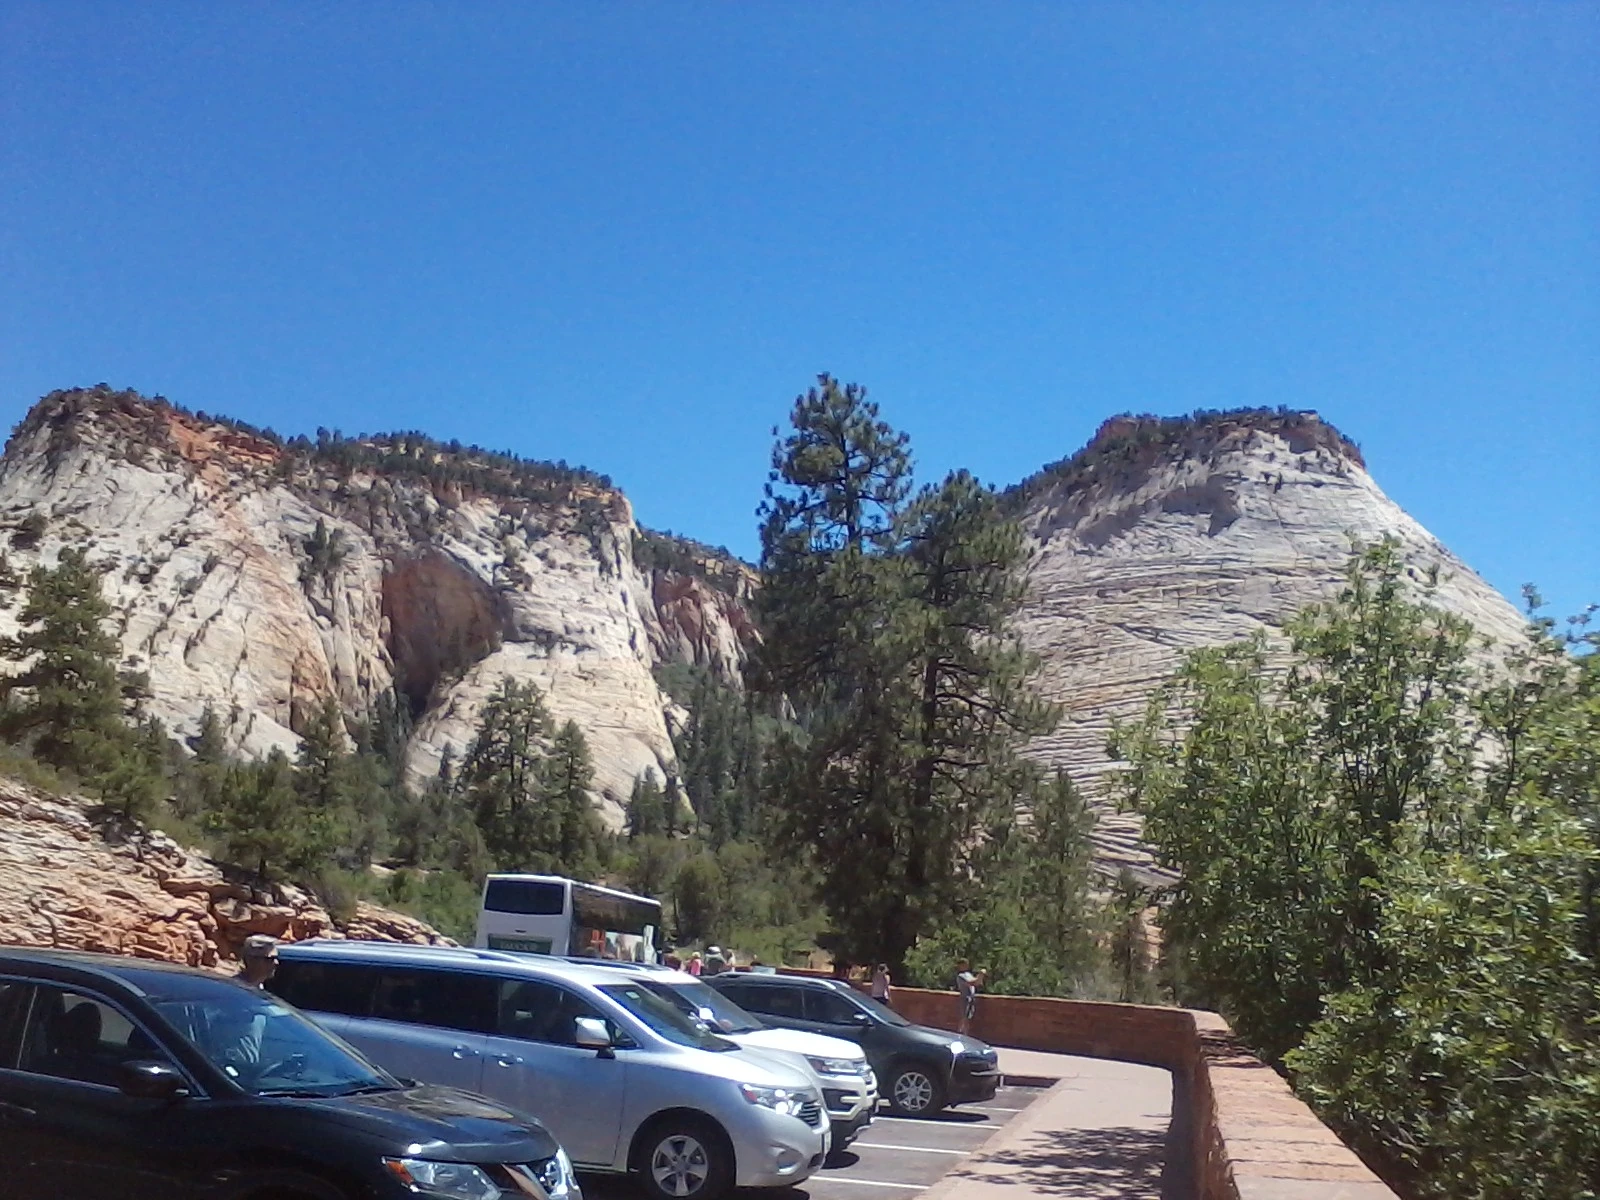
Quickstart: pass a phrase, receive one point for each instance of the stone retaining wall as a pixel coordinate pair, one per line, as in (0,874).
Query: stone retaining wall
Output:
(1253,1139)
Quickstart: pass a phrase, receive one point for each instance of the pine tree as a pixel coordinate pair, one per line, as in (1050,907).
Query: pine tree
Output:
(890,627)
(323,782)
(69,702)
(68,699)
(646,814)
(569,773)
(501,775)
(258,817)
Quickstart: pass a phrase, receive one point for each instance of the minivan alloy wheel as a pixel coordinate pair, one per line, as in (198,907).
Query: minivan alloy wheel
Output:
(913,1091)
(679,1165)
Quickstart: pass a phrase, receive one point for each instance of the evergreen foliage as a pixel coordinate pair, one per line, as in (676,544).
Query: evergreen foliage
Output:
(68,703)
(887,622)
(1389,855)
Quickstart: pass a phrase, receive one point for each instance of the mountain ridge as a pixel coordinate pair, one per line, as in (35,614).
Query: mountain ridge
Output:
(347,566)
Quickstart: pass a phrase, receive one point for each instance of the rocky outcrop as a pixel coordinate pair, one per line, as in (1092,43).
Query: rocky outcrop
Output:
(259,577)
(1163,536)
(66,882)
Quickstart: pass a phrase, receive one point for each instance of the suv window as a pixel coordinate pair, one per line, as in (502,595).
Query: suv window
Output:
(443,999)
(14,995)
(774,1001)
(325,987)
(73,1036)
(828,1006)
(540,1012)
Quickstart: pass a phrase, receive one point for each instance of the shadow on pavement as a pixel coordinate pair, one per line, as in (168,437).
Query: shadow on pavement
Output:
(1118,1163)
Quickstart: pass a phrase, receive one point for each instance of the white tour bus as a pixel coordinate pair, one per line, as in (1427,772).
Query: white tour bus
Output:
(546,914)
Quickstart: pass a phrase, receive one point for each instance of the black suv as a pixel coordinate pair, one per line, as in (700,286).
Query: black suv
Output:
(920,1070)
(135,1079)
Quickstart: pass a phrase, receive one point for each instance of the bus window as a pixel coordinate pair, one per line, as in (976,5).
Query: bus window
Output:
(527,897)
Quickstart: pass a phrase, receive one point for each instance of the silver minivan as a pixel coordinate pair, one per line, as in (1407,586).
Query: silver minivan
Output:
(623,1079)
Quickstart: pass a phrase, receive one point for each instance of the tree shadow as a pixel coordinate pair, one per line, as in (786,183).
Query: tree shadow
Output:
(1117,1163)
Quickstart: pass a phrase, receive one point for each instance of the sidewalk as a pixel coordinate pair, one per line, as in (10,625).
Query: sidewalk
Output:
(1099,1133)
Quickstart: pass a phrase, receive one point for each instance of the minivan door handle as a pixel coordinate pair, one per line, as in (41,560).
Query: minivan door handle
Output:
(463,1051)
(509,1060)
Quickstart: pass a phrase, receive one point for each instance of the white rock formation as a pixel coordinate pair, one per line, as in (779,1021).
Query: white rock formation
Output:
(1198,538)
(207,537)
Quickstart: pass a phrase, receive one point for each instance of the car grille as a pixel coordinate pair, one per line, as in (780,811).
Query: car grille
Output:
(811,1113)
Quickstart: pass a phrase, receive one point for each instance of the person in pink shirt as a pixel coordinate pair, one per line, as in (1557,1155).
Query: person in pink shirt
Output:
(693,965)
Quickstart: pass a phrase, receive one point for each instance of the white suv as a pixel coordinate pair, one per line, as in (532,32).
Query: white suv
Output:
(849,1088)
(623,1079)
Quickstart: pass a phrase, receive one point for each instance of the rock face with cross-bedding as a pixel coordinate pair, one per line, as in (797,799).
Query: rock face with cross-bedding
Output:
(1162,536)
(258,578)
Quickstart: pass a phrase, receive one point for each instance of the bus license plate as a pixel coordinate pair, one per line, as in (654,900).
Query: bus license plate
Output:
(520,945)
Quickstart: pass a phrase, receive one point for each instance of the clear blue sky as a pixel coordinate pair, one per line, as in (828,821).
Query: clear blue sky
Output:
(627,234)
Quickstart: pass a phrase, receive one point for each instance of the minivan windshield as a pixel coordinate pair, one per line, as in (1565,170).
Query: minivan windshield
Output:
(665,1017)
(705,1004)
(268,1048)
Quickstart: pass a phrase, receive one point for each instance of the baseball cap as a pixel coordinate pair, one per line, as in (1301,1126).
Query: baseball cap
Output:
(259,945)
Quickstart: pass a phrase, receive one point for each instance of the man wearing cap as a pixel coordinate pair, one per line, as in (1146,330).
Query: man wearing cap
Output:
(259,958)
(259,955)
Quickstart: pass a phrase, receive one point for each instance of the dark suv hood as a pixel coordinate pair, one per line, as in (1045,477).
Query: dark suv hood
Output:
(945,1036)
(446,1123)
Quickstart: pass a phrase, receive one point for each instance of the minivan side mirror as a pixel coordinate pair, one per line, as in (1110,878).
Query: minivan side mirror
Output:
(148,1079)
(591,1033)
(860,1018)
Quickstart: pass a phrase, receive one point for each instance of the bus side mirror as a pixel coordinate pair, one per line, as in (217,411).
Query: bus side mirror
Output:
(590,1033)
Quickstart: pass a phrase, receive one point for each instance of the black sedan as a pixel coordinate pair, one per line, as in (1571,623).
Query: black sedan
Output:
(126,1078)
(920,1070)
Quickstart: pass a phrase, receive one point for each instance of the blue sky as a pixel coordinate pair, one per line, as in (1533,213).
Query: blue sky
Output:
(627,235)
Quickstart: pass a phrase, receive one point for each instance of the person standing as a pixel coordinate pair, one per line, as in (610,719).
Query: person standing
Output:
(694,966)
(259,959)
(967,984)
(880,983)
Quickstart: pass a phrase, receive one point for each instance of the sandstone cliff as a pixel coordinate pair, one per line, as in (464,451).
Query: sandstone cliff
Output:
(1166,535)
(64,883)
(259,577)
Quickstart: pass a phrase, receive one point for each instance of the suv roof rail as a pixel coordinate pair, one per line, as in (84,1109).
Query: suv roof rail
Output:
(369,945)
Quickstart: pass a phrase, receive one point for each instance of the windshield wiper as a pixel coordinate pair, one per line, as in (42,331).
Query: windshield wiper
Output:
(370,1089)
(294,1094)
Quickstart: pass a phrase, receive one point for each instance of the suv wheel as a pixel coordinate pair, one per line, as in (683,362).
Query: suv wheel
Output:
(684,1159)
(915,1091)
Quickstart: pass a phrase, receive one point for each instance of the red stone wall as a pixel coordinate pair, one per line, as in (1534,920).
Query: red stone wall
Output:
(1253,1139)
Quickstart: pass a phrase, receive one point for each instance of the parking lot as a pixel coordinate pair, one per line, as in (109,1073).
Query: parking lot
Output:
(895,1158)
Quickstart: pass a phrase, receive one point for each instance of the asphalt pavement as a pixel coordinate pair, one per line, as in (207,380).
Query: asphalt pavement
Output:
(895,1158)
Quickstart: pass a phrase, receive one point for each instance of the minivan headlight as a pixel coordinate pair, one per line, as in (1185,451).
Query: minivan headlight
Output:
(779,1100)
(837,1066)
(456,1181)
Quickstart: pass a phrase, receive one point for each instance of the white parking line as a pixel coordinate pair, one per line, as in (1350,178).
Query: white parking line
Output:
(910,1187)
(891,1146)
(927,1124)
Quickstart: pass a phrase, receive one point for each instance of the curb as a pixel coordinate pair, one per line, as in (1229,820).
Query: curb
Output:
(1029,1081)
